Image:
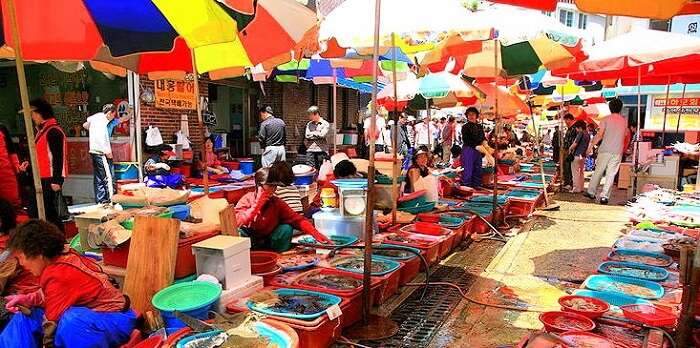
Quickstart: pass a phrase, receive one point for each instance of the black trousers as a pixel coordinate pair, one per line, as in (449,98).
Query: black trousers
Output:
(49,204)
(568,175)
(317,158)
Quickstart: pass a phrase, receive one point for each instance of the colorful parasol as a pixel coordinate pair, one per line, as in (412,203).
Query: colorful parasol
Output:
(632,8)
(443,89)
(509,104)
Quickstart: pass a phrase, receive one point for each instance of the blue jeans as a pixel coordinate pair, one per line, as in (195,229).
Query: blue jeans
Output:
(103,178)
(78,327)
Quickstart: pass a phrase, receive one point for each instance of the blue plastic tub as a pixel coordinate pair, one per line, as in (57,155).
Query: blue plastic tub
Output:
(180,212)
(613,299)
(350,183)
(451,222)
(664,260)
(524,194)
(247,167)
(338,240)
(307,179)
(652,273)
(185,341)
(604,283)
(327,300)
(392,266)
(126,170)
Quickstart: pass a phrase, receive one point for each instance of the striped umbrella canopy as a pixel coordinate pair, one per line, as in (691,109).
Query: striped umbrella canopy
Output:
(159,35)
(527,41)
(632,8)
(443,89)
(509,104)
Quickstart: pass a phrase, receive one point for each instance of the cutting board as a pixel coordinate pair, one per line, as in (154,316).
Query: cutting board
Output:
(151,263)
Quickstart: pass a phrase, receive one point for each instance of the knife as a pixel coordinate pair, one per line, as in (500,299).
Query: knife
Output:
(193,323)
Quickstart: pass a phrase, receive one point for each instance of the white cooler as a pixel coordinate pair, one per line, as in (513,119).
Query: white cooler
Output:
(225,257)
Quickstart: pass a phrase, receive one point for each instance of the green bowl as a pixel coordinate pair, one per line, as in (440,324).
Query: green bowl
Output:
(387,180)
(412,203)
(129,224)
(186,296)
(75,245)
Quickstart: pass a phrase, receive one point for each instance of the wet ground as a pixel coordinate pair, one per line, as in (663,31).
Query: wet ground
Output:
(553,253)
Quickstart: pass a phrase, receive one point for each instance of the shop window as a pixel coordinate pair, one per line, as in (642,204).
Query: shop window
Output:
(566,18)
(582,21)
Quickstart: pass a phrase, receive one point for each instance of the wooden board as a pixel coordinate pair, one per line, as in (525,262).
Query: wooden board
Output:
(229,225)
(151,263)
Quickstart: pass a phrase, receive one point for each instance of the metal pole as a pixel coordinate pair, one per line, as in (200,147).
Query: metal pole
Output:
(496,130)
(639,118)
(137,121)
(335,108)
(369,214)
(663,131)
(686,316)
(24,95)
(205,172)
(394,136)
(680,109)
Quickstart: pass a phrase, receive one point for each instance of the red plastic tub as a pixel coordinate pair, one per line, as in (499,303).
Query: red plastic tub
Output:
(586,339)
(185,261)
(447,237)
(566,321)
(428,244)
(269,276)
(650,315)
(232,165)
(263,261)
(299,284)
(566,306)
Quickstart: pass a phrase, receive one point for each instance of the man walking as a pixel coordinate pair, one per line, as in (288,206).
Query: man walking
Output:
(272,136)
(377,133)
(569,138)
(448,138)
(424,133)
(612,133)
(99,127)
(315,137)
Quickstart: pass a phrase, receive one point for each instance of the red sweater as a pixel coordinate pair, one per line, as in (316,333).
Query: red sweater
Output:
(22,282)
(261,213)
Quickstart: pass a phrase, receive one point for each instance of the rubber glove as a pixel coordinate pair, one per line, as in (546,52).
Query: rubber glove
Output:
(30,300)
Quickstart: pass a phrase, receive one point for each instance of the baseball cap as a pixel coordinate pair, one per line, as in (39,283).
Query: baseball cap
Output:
(267,109)
(108,108)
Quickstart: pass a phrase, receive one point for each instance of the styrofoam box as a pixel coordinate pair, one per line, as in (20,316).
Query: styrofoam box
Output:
(225,257)
(245,289)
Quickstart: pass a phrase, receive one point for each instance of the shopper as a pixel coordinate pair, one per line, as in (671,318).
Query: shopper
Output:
(315,137)
(77,305)
(377,133)
(569,138)
(447,139)
(101,152)
(51,152)
(578,151)
(272,136)
(269,221)
(424,133)
(474,149)
(611,137)
(9,168)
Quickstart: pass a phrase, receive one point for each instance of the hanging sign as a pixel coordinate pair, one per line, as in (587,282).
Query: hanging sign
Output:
(688,107)
(175,94)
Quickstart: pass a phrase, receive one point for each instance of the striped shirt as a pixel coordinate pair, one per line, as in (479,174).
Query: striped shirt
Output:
(291,196)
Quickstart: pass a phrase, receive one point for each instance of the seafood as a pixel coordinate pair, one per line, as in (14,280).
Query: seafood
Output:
(296,304)
(633,272)
(570,324)
(648,260)
(401,254)
(629,289)
(587,341)
(296,260)
(358,264)
(581,304)
(331,281)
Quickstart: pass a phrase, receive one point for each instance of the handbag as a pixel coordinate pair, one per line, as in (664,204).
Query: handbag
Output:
(61,206)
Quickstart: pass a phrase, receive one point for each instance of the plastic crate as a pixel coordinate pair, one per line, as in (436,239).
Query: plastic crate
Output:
(650,315)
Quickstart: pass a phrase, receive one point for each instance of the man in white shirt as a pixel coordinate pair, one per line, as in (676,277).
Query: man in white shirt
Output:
(424,134)
(377,133)
(99,126)
(613,131)
(315,137)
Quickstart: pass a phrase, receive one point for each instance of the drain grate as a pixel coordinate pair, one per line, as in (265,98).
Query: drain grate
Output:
(418,320)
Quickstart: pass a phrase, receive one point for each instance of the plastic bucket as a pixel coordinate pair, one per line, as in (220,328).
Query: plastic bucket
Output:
(180,212)
(192,298)
(247,166)
(307,179)
(126,170)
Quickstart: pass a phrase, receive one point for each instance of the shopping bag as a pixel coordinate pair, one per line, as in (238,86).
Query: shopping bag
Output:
(153,137)
(61,206)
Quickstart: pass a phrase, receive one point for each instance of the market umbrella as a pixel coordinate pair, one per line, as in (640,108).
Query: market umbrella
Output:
(443,89)
(509,104)
(632,8)
(525,43)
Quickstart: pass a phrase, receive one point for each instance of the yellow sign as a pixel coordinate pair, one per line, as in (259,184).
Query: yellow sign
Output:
(688,107)
(175,94)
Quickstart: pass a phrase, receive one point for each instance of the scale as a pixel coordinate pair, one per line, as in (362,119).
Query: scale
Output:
(353,201)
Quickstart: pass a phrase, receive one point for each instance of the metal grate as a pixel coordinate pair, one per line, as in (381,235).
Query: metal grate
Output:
(418,320)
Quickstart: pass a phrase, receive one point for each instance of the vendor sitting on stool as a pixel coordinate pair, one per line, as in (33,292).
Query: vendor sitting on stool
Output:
(418,170)
(77,305)
(157,169)
(213,163)
(268,220)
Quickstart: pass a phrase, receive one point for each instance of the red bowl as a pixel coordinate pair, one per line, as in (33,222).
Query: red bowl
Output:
(428,217)
(566,321)
(604,306)
(263,261)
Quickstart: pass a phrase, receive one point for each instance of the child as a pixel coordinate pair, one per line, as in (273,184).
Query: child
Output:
(456,161)
(268,220)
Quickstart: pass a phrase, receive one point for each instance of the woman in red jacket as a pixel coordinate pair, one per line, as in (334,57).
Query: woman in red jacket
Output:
(77,306)
(14,279)
(267,219)
(9,166)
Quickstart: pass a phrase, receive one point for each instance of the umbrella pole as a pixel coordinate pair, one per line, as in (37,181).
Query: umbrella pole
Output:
(663,131)
(639,121)
(680,110)
(369,214)
(335,111)
(561,139)
(496,129)
(24,95)
(205,172)
(547,204)
(394,136)
(137,121)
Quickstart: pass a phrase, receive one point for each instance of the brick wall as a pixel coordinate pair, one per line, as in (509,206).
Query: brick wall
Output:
(168,120)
